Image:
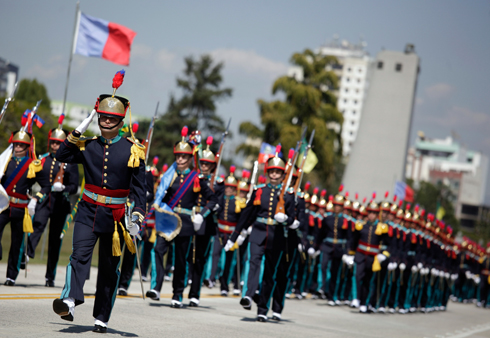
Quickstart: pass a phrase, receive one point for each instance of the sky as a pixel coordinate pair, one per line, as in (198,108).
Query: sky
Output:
(255,40)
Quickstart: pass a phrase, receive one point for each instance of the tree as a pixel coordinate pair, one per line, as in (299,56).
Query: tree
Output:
(28,93)
(195,109)
(308,102)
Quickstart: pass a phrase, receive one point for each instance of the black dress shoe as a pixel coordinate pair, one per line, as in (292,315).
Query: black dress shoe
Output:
(62,309)
(100,329)
(8,282)
(246,303)
(276,318)
(192,304)
(49,283)
(262,319)
(122,292)
(152,294)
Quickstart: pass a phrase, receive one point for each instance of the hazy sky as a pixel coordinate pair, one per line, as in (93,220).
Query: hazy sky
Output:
(255,39)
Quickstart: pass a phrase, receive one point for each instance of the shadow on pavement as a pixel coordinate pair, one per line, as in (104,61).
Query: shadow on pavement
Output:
(70,328)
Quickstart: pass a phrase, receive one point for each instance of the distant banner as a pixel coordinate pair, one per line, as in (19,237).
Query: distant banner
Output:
(266,151)
(404,192)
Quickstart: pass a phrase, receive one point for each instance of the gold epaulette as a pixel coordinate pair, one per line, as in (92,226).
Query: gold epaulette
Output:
(81,142)
(359,226)
(137,153)
(381,228)
(34,167)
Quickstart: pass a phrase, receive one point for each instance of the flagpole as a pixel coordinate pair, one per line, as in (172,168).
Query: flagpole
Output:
(77,19)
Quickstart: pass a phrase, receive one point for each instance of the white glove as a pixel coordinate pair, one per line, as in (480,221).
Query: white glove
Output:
(390,267)
(454,276)
(381,258)
(420,265)
(447,275)
(434,272)
(301,248)
(468,274)
(249,230)
(441,273)
(414,269)
(82,128)
(348,259)
(244,233)
(229,245)
(477,279)
(402,266)
(31,207)
(316,254)
(395,265)
(311,252)
(133,229)
(295,225)
(197,221)
(281,217)
(240,239)
(58,186)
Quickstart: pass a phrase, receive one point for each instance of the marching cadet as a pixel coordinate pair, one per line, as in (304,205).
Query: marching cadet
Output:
(63,178)
(365,245)
(315,219)
(267,239)
(22,170)
(228,214)
(203,243)
(178,196)
(332,241)
(384,218)
(484,272)
(114,168)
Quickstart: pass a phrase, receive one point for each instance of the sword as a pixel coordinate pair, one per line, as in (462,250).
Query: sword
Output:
(253,179)
(149,135)
(129,207)
(193,214)
(7,101)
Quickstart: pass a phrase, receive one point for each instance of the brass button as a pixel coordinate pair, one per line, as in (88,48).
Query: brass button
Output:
(105,174)
(105,167)
(107,146)
(13,190)
(272,199)
(106,159)
(104,188)
(105,181)
(15,185)
(107,153)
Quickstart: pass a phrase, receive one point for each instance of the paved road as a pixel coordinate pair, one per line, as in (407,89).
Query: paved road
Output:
(26,311)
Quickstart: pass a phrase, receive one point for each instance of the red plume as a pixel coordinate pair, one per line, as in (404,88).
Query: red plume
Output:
(386,194)
(315,191)
(291,153)
(262,179)
(400,202)
(409,206)
(422,213)
(442,225)
(278,148)
(394,198)
(416,209)
(307,186)
(155,160)
(209,140)
(323,193)
(374,195)
(232,169)
(118,79)
(222,176)
(357,195)
(430,217)
(184,132)
(346,194)
(165,167)
(135,127)
(61,118)
(364,200)
(330,198)
(341,188)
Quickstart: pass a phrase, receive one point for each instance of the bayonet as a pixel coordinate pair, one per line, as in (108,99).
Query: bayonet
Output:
(218,156)
(149,135)
(7,101)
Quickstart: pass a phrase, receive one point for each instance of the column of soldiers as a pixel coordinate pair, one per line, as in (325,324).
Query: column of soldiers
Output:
(270,240)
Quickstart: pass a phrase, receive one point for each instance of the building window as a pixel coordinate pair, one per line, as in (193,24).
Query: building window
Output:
(357,91)
(353,112)
(345,100)
(380,64)
(358,80)
(353,122)
(347,79)
(355,101)
(349,69)
(351,133)
(346,90)
(398,67)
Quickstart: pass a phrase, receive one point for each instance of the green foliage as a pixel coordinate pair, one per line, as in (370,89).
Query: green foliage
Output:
(28,93)
(309,103)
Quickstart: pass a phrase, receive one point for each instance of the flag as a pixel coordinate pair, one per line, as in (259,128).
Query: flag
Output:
(266,151)
(403,191)
(39,121)
(440,213)
(311,158)
(100,38)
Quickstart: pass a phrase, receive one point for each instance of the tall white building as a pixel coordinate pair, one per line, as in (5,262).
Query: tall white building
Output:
(463,171)
(353,79)
(8,76)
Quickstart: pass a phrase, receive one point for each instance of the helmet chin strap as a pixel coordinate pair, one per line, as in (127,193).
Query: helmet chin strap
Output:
(108,128)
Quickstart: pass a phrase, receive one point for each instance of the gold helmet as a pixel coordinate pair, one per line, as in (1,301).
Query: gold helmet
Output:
(183,147)
(356,204)
(386,205)
(20,136)
(314,198)
(207,155)
(243,184)
(275,162)
(408,214)
(330,203)
(58,134)
(347,202)
(339,199)
(323,201)
(373,206)
(231,181)
(394,207)
(362,208)
(112,105)
(307,194)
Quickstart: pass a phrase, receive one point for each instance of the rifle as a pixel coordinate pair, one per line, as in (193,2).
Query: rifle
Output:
(149,135)
(7,101)
(252,180)
(61,173)
(218,156)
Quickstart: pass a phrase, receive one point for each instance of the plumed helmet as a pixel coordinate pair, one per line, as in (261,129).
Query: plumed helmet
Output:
(183,147)
(207,154)
(275,162)
(112,105)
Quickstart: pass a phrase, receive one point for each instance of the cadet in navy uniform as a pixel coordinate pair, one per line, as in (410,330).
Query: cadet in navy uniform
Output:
(63,179)
(228,214)
(267,238)
(208,228)
(114,168)
(332,242)
(367,239)
(20,174)
(190,186)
